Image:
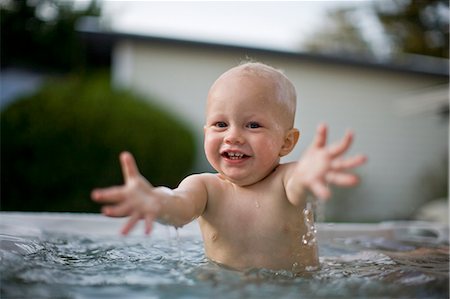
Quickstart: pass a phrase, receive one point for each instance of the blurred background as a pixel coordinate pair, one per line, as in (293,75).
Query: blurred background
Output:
(82,81)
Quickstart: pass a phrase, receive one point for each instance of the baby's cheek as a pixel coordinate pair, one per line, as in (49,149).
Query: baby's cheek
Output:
(211,148)
(208,145)
(272,147)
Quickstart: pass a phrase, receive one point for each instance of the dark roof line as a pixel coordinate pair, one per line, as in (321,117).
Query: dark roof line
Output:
(415,64)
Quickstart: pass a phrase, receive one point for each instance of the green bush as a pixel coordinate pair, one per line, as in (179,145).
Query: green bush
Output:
(60,143)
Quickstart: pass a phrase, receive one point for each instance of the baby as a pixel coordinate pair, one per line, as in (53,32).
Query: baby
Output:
(251,211)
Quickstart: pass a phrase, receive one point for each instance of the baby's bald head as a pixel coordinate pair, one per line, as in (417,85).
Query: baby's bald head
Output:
(279,85)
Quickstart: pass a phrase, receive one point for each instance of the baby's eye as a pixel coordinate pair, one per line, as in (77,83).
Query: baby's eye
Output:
(220,124)
(253,125)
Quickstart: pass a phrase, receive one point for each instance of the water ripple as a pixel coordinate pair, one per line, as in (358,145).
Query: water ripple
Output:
(73,266)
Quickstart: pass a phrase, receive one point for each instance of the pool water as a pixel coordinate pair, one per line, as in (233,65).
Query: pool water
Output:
(43,263)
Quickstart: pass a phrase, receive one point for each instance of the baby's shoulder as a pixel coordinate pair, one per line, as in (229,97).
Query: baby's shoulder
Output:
(211,183)
(283,172)
(202,178)
(285,168)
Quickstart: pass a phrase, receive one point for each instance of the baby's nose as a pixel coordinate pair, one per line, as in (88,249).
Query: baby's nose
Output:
(234,136)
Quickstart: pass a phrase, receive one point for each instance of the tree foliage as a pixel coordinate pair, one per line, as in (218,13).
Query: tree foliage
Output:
(416,26)
(63,141)
(42,33)
(339,35)
(408,27)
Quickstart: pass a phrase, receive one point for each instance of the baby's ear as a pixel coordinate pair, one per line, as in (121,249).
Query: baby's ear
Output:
(290,141)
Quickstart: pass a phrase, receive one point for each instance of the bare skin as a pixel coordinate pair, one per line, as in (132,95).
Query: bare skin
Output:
(251,211)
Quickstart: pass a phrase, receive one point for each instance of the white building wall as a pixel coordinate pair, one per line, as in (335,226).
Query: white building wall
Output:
(400,148)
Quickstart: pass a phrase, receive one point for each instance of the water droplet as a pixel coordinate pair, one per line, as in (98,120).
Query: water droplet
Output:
(257,204)
(312,268)
(309,238)
(296,267)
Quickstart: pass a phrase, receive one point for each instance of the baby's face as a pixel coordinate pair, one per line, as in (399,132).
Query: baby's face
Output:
(245,128)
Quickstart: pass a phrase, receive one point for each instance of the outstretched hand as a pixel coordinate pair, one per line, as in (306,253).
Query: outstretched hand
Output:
(322,165)
(134,198)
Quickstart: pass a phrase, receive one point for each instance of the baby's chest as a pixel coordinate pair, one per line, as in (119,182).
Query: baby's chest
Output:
(254,214)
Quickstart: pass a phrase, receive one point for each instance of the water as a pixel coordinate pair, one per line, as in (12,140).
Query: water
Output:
(309,238)
(172,265)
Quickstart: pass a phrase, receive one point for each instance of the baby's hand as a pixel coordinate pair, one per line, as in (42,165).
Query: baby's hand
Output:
(321,165)
(135,198)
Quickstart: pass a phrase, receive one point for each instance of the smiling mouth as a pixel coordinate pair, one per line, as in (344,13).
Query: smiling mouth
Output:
(234,155)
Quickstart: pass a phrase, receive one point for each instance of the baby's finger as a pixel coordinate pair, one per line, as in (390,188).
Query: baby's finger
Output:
(108,195)
(351,162)
(320,190)
(120,210)
(129,167)
(148,224)
(134,218)
(321,136)
(342,146)
(342,179)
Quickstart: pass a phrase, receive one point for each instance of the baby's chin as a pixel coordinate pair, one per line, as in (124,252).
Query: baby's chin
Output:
(243,181)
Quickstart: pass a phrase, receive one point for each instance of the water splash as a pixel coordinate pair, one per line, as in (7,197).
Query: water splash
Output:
(178,244)
(319,207)
(309,238)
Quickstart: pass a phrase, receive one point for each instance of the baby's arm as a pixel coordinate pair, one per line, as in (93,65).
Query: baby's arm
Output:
(321,165)
(138,199)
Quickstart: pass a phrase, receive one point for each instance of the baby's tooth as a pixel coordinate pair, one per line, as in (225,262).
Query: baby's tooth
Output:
(235,156)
